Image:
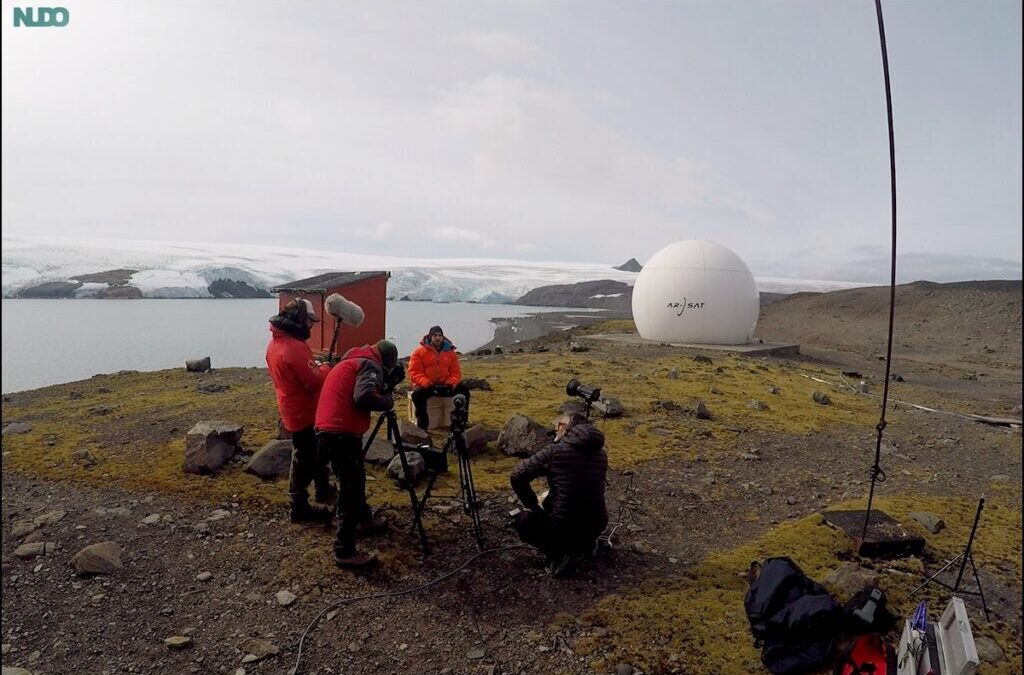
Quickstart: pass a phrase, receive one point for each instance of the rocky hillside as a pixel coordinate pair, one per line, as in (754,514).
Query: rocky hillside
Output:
(972,325)
(603,294)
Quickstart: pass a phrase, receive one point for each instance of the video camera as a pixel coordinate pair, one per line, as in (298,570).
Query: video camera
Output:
(394,378)
(577,388)
(460,413)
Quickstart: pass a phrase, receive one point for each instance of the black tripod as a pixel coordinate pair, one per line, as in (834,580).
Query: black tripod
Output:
(967,556)
(395,436)
(456,442)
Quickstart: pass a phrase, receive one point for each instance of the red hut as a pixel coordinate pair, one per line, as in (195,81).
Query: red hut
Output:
(367,289)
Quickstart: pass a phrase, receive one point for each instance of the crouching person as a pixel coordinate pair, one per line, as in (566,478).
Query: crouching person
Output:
(354,388)
(566,526)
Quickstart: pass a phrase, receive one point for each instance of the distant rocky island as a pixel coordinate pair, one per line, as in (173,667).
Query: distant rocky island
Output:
(114,285)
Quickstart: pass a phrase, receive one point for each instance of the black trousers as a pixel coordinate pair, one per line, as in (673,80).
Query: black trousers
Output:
(308,466)
(346,456)
(536,529)
(420,395)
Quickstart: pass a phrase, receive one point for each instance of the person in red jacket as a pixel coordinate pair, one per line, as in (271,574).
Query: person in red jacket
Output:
(354,388)
(297,380)
(434,371)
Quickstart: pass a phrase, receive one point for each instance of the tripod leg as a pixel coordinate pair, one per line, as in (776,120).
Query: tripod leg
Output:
(981,593)
(373,435)
(469,490)
(932,577)
(396,437)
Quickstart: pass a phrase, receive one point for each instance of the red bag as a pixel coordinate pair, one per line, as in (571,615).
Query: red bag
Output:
(869,655)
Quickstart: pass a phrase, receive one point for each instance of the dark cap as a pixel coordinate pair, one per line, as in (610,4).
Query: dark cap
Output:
(388,353)
(435,329)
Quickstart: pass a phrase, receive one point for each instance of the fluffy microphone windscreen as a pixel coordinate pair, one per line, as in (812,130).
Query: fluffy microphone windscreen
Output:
(344,310)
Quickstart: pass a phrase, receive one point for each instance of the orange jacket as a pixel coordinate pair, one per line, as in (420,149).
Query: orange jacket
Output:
(429,366)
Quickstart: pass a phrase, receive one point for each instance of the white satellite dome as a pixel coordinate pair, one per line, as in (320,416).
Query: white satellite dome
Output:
(696,292)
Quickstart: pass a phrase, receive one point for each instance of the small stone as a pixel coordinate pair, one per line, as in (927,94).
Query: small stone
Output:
(772,389)
(218,514)
(716,391)
(151,519)
(98,597)
(475,654)
(285,598)
(820,397)
(402,647)
(250,658)
(624,669)
(757,405)
(751,457)
(543,648)
(258,649)
(35,549)
(353,647)
(16,428)
(929,521)
(673,374)
(201,527)
(166,611)
(701,411)
(5,648)
(178,641)
(578,347)
(849,578)
(204,576)
(102,558)
(49,518)
(700,358)
(896,377)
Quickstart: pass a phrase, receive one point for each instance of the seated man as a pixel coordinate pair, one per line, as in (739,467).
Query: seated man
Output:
(434,371)
(573,515)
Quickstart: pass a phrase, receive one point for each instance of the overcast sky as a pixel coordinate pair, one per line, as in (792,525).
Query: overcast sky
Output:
(591,131)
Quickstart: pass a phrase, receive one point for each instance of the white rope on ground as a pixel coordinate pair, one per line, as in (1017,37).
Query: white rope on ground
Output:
(853,389)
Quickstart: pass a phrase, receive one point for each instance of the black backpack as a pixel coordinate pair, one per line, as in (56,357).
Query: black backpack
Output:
(794,620)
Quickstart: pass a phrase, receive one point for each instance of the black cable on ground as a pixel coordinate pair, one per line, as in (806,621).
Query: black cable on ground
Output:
(877,475)
(392,594)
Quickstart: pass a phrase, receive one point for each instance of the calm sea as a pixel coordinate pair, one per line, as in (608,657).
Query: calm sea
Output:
(54,341)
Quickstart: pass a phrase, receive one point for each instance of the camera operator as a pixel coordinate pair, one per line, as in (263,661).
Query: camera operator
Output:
(566,526)
(434,370)
(297,381)
(359,384)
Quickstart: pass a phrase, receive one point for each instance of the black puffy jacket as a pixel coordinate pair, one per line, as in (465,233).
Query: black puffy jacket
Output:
(575,467)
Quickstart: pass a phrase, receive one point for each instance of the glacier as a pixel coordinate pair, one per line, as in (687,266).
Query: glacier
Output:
(186,269)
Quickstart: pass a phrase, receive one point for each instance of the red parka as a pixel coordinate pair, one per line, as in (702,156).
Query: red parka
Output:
(297,378)
(429,367)
(354,388)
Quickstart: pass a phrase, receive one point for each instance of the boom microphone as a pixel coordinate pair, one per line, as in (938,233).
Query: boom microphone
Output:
(344,310)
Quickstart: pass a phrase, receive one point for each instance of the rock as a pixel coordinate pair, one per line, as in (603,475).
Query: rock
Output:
(1000,478)
(212,388)
(285,598)
(35,549)
(864,387)
(716,391)
(115,511)
(772,389)
(609,406)
(198,365)
(12,670)
(209,445)
(100,410)
(988,650)
(102,558)
(417,466)
(578,347)
(673,374)
(701,411)
(49,518)
(896,377)
(204,576)
(522,436)
(849,578)
(820,397)
(477,438)
(477,384)
(260,649)
(218,514)
(84,458)
(151,519)
(930,521)
(969,376)
(178,641)
(701,358)
(624,669)
(751,457)
(757,405)
(475,654)
(412,434)
(498,351)
(272,460)
(16,428)
(381,451)
(23,528)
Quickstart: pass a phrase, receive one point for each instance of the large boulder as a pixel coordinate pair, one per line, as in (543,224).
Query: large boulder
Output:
(411,434)
(417,466)
(198,365)
(272,460)
(609,406)
(477,437)
(477,383)
(522,436)
(102,558)
(209,445)
(380,451)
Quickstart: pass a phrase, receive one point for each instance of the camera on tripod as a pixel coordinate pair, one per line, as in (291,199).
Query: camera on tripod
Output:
(460,413)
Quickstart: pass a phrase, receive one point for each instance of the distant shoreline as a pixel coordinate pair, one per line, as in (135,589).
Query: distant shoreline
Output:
(510,330)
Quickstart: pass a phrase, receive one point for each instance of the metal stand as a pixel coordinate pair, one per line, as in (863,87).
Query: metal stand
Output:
(964,557)
(456,442)
(395,436)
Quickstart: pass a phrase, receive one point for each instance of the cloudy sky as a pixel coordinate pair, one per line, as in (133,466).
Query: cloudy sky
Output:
(589,131)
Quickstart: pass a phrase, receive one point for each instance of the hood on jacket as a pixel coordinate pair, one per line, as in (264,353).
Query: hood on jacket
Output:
(364,352)
(446,344)
(281,324)
(584,436)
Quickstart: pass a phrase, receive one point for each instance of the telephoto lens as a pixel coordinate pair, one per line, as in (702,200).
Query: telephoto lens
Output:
(577,388)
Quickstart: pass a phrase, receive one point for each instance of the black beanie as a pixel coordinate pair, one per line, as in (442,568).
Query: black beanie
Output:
(435,329)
